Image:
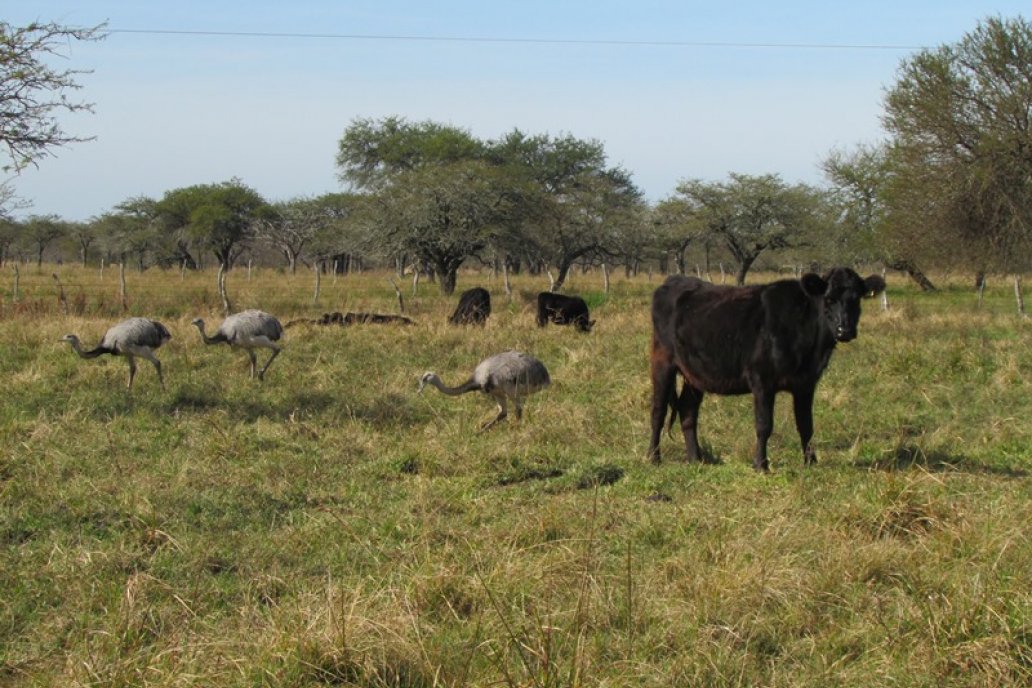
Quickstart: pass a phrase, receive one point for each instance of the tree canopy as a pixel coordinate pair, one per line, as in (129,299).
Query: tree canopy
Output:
(31,91)
(960,154)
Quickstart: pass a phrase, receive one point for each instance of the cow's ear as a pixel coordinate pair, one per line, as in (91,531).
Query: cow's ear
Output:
(874,285)
(814,285)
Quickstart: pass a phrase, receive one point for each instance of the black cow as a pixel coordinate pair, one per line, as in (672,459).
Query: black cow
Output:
(473,309)
(761,340)
(563,310)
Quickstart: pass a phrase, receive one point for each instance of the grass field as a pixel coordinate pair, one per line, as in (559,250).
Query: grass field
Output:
(329,526)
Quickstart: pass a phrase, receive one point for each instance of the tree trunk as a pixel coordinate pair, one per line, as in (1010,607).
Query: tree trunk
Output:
(914,273)
(449,276)
(743,270)
(1019,297)
(564,270)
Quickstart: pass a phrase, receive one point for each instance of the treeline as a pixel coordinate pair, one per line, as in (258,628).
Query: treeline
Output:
(949,187)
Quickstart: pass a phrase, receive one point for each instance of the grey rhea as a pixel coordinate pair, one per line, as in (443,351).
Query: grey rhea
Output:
(248,330)
(508,376)
(129,338)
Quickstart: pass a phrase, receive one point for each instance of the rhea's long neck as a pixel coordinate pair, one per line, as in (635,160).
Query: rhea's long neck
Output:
(468,386)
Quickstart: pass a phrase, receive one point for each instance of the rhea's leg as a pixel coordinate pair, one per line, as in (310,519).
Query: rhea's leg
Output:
(503,411)
(275,353)
(132,370)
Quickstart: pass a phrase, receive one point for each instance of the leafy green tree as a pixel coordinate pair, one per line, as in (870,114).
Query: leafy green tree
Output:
(372,153)
(567,204)
(431,192)
(39,231)
(338,236)
(84,234)
(131,230)
(871,226)
(961,146)
(8,235)
(219,217)
(752,214)
(442,214)
(677,226)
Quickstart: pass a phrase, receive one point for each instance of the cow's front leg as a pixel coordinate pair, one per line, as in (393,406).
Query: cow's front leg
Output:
(802,406)
(763,408)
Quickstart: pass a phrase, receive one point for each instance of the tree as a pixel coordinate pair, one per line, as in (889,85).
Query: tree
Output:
(443,214)
(131,229)
(371,154)
(676,227)
(290,226)
(8,235)
(871,226)
(960,121)
(31,92)
(752,214)
(431,191)
(221,217)
(568,204)
(316,224)
(84,234)
(40,231)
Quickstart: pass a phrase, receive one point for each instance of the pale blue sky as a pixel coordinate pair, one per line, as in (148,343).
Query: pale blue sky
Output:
(674,90)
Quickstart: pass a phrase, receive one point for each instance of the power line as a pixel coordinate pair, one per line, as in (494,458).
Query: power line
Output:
(531,41)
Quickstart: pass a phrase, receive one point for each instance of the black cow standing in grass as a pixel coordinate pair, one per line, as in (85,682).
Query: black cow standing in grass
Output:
(563,310)
(761,340)
(473,309)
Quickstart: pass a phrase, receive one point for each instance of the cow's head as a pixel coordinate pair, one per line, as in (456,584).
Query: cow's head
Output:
(840,292)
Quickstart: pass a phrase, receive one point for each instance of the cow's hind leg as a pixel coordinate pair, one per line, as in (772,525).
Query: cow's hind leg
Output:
(802,406)
(663,373)
(688,403)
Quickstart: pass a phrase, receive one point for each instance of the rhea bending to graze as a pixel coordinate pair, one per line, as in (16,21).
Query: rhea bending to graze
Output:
(508,376)
(248,330)
(129,338)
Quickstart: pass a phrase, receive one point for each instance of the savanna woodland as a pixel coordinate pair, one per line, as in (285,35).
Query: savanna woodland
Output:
(330,526)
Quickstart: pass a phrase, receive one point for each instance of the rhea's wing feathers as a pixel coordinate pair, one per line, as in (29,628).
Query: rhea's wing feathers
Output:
(513,368)
(135,332)
(250,324)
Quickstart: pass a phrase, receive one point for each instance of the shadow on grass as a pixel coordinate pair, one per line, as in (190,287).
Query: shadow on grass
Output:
(909,457)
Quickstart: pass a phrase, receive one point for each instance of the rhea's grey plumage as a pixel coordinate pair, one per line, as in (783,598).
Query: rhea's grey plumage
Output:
(129,338)
(508,376)
(248,330)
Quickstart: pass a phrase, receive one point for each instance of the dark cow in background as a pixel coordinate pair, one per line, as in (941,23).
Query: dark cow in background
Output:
(760,339)
(473,309)
(563,310)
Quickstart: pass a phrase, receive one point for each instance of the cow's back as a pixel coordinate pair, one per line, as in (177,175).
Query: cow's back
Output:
(727,337)
(664,307)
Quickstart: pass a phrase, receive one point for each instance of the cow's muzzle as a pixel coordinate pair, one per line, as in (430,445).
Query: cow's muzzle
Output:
(845,334)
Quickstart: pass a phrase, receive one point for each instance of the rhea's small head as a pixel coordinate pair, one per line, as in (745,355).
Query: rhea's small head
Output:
(425,380)
(70,338)
(199,322)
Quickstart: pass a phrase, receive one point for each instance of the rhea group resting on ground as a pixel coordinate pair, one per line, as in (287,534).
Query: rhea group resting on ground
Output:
(508,376)
(248,330)
(129,338)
